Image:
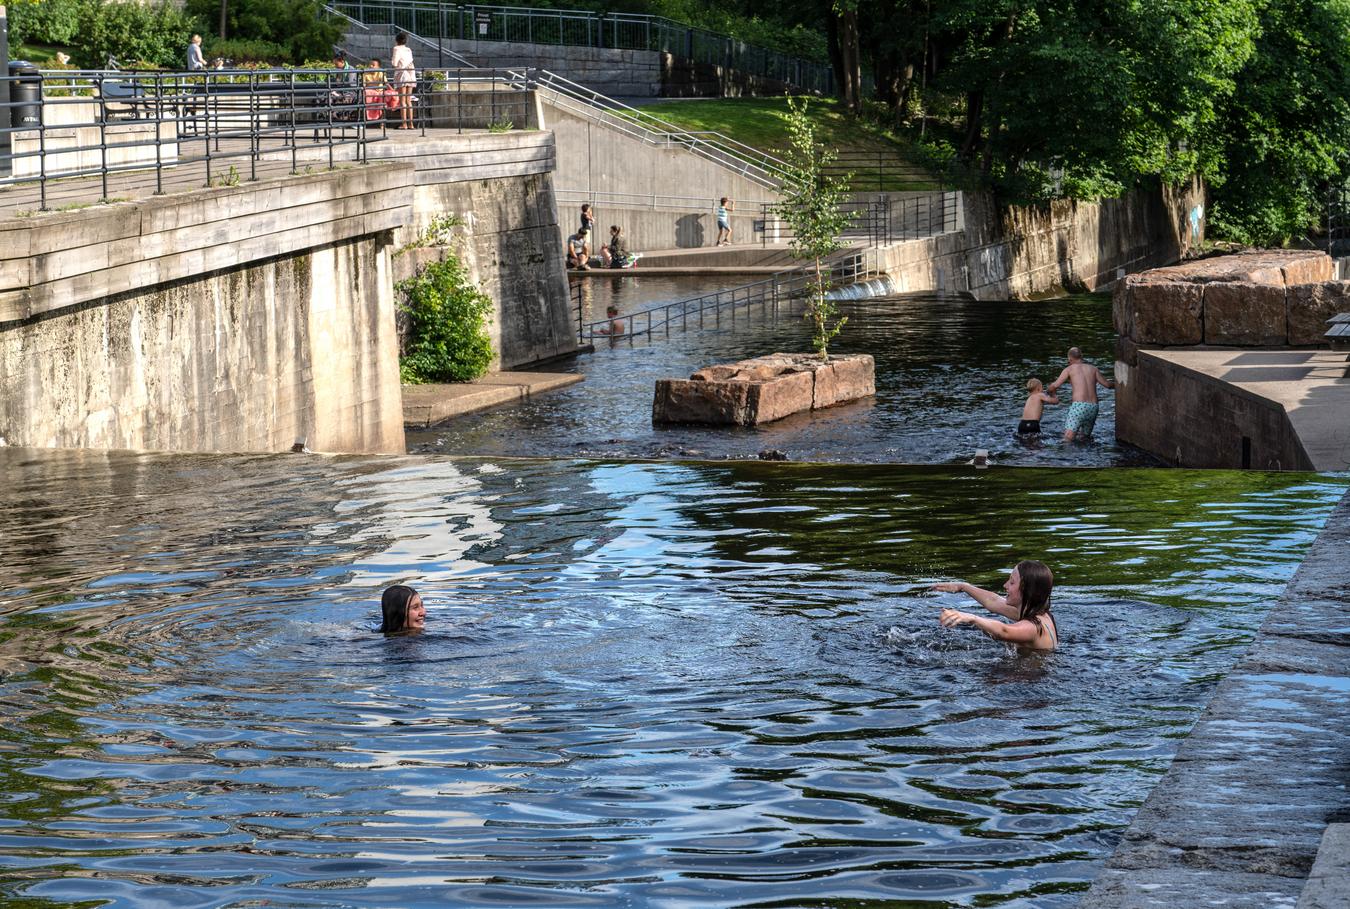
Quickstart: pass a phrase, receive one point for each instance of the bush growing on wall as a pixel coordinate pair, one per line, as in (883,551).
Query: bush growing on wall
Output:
(135,33)
(447,326)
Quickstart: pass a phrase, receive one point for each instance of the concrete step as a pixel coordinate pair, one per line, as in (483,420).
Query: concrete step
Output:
(775,256)
(427,405)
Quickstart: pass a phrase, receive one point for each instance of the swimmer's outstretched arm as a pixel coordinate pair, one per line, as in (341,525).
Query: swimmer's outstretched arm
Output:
(986,598)
(1023,632)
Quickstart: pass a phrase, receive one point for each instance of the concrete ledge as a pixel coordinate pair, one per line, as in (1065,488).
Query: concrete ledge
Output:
(1239,817)
(1328,885)
(427,405)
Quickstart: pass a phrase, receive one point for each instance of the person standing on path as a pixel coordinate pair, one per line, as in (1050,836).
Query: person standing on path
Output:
(405,77)
(195,61)
(724,209)
(1084,377)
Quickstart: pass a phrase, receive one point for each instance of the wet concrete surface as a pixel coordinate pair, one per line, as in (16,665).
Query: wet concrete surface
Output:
(1239,817)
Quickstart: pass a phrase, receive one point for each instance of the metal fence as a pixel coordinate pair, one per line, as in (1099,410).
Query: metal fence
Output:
(876,222)
(722,308)
(582,28)
(68,123)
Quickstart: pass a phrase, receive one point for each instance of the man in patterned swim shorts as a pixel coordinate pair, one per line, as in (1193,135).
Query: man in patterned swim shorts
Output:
(1084,377)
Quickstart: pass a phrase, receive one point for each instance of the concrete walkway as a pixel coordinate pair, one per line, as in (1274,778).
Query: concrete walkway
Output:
(1240,816)
(1313,387)
(427,405)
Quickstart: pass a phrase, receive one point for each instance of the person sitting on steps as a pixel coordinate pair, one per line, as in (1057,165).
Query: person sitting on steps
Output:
(578,250)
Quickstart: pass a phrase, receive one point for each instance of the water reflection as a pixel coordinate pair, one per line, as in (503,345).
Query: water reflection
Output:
(951,377)
(662,684)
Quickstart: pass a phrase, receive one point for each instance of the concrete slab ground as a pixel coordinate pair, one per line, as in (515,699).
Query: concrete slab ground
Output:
(1313,387)
(427,405)
(1238,819)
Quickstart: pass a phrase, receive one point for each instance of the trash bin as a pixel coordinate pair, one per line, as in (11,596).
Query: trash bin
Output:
(25,95)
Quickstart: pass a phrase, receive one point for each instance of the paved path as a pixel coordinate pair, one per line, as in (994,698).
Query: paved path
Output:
(427,405)
(190,173)
(1313,387)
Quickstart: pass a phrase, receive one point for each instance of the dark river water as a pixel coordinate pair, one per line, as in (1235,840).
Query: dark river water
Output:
(951,378)
(642,684)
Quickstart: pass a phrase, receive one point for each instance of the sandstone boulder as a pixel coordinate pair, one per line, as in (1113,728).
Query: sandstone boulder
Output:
(763,389)
(1308,306)
(1243,314)
(1164,312)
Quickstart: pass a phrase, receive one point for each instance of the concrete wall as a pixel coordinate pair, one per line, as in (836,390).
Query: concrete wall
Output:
(500,187)
(673,191)
(1193,419)
(300,346)
(1019,252)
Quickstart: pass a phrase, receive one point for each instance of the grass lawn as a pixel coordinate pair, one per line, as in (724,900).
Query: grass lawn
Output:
(762,124)
(41,54)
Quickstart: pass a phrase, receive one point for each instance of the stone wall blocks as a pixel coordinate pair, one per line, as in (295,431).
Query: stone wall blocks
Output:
(1310,305)
(1244,314)
(1165,312)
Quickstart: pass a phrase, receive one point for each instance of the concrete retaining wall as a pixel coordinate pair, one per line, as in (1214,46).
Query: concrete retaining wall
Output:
(1195,419)
(299,346)
(1019,252)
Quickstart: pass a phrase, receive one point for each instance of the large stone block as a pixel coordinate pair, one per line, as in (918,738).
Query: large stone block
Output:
(1309,269)
(1165,312)
(1308,306)
(1244,314)
(762,390)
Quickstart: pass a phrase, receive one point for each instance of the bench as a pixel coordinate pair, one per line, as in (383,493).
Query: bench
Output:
(1339,332)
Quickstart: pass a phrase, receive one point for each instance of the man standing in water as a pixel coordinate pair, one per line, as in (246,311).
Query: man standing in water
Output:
(1084,377)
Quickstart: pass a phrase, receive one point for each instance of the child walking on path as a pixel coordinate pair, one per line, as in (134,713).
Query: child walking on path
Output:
(1035,406)
(724,209)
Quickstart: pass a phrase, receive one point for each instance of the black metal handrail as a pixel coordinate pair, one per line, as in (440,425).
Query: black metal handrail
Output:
(87,123)
(711,310)
(435,19)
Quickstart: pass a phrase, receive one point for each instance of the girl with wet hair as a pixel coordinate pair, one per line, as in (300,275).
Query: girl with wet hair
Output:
(1026,606)
(402,610)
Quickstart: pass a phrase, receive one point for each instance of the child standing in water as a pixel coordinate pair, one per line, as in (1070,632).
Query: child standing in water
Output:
(1035,406)
(1026,606)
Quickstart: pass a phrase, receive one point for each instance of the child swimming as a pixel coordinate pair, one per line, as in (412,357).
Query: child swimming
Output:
(1035,406)
(1026,606)
(401,611)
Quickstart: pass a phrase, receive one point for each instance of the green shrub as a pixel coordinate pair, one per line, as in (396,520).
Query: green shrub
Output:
(500,126)
(156,34)
(447,326)
(54,22)
(300,27)
(241,51)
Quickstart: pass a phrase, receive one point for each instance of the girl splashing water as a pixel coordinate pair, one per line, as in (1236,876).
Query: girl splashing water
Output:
(1026,606)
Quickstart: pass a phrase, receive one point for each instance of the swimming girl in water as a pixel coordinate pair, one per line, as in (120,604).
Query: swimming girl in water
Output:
(1027,606)
(402,609)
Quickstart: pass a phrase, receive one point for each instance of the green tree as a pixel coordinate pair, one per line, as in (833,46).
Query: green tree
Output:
(1285,132)
(811,205)
(303,28)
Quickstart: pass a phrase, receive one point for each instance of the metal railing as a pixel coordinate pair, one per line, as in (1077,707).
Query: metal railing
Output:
(877,222)
(649,201)
(877,171)
(720,309)
(583,28)
(77,123)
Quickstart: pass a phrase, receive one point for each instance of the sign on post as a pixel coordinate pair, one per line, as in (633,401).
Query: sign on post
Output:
(483,20)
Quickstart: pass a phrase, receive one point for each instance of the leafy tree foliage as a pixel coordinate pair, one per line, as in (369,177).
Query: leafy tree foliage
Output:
(135,33)
(1084,98)
(301,27)
(54,22)
(811,205)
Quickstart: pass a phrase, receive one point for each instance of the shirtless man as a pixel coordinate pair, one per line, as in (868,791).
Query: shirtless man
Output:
(1084,377)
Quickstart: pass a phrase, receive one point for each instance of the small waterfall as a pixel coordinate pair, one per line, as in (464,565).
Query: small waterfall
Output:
(863,290)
